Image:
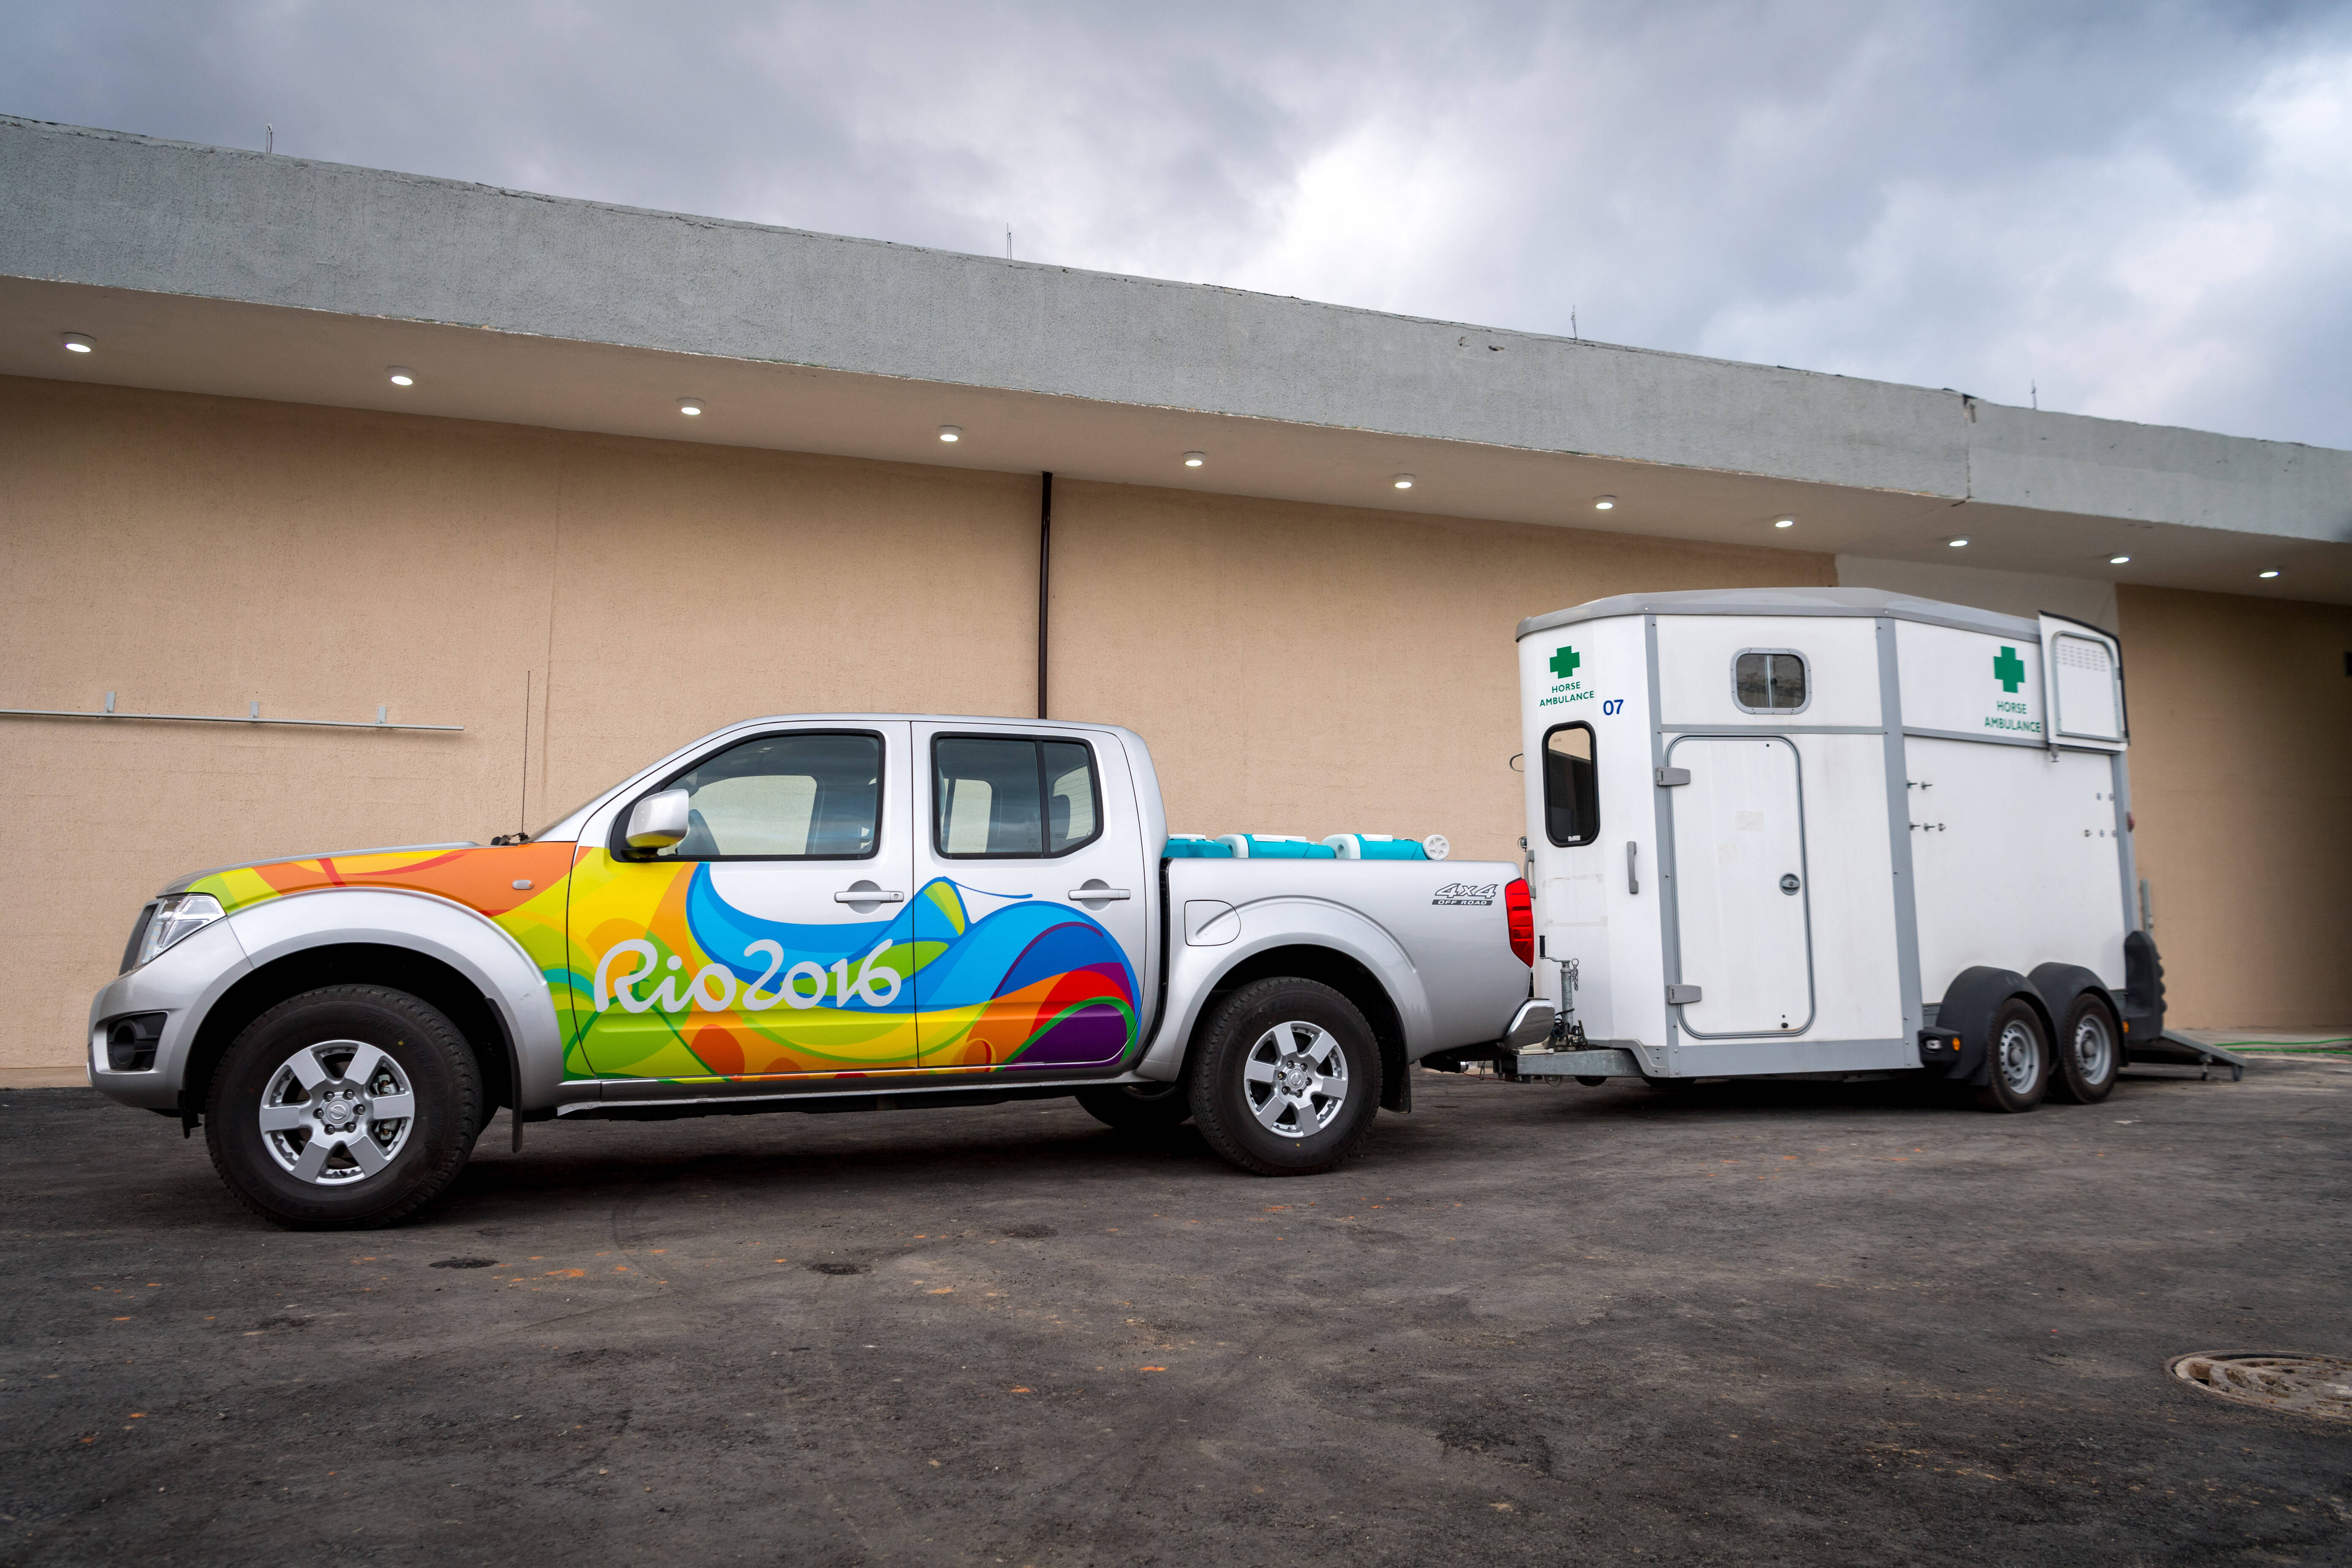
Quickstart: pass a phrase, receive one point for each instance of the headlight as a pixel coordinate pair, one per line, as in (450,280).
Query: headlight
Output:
(176,915)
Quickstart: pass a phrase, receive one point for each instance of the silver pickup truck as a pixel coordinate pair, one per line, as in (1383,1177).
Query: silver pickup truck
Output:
(841,912)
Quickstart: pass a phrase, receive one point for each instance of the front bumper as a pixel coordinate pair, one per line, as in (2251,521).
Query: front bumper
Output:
(180,983)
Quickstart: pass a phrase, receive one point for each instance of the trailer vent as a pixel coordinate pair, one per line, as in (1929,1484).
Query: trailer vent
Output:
(2301,1384)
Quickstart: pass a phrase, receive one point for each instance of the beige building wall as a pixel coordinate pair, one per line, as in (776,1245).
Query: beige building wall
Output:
(193,555)
(1321,670)
(2242,780)
(582,604)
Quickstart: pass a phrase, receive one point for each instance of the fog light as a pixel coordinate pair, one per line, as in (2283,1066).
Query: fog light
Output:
(131,1042)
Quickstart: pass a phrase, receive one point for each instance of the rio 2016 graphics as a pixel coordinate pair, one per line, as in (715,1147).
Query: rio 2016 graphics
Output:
(657,975)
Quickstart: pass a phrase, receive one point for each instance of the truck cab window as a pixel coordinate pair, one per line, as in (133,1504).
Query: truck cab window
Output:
(1571,793)
(1769,680)
(994,795)
(782,797)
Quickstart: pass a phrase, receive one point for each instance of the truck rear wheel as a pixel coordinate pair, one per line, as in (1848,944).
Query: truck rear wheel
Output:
(2019,1064)
(1137,1107)
(2088,1059)
(1285,1078)
(346,1107)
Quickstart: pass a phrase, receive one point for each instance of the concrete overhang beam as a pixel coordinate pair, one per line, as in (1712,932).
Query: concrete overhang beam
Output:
(215,271)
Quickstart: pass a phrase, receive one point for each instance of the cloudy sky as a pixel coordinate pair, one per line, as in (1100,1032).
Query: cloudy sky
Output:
(2143,211)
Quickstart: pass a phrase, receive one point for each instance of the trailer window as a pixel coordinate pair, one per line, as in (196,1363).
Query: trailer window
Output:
(1571,793)
(1769,680)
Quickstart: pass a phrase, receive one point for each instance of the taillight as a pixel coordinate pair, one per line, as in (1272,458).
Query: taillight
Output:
(1522,911)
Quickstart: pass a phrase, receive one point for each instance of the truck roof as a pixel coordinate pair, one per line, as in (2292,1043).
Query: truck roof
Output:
(1859,601)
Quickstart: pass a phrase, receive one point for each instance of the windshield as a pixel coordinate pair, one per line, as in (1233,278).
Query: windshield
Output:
(553,823)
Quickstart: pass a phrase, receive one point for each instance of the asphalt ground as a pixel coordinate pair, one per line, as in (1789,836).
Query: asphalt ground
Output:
(1526,1324)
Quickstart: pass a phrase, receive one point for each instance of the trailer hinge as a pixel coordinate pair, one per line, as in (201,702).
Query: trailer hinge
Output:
(1681,995)
(1669,777)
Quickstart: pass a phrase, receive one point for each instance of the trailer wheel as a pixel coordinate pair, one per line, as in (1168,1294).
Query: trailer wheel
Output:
(347,1107)
(1137,1107)
(2019,1059)
(1285,1078)
(2087,1058)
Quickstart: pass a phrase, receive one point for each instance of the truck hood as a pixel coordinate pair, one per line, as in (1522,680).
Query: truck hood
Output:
(183,884)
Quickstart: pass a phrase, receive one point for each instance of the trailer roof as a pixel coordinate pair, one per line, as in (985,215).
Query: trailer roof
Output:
(1858,602)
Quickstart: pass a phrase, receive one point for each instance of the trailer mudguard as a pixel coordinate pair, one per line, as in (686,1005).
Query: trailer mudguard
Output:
(2061,983)
(1974,996)
(2142,1002)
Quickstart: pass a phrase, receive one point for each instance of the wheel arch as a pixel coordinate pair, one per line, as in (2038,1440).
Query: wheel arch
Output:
(1345,972)
(1969,1003)
(352,963)
(2060,984)
(441,952)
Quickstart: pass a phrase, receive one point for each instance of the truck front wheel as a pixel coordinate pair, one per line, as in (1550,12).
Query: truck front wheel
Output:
(1285,1078)
(345,1107)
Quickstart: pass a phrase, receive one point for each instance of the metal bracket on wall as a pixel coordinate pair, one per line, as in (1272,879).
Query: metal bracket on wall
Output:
(252,715)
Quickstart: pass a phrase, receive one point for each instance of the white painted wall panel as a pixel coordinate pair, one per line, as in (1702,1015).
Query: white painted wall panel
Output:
(1582,908)
(1694,666)
(2017,861)
(1969,683)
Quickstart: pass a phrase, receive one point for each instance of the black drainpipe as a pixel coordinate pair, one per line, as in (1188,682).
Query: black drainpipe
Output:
(1045,580)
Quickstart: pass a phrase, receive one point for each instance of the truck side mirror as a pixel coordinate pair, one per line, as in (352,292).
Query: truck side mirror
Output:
(658,821)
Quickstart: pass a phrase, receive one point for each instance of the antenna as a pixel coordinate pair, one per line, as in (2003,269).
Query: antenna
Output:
(2034,392)
(269,138)
(1008,242)
(1571,324)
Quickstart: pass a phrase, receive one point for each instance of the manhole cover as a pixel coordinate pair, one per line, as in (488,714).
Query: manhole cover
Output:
(2306,1384)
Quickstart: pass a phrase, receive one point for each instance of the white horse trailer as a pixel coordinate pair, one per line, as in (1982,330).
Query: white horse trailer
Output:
(1807,831)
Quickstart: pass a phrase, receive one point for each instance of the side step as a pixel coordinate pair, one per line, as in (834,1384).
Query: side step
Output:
(2176,1048)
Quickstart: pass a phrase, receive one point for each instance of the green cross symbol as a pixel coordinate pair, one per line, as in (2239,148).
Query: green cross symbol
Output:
(2008,669)
(1564,663)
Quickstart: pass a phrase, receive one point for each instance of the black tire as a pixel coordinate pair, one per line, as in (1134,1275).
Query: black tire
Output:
(1138,1107)
(2090,1051)
(2018,1058)
(1234,1103)
(335,1126)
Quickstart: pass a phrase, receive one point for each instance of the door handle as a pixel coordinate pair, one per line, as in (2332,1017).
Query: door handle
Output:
(868,896)
(1083,893)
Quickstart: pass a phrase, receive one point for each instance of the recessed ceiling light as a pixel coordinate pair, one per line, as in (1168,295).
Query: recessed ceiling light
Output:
(2268,572)
(690,406)
(1603,503)
(1195,459)
(1784,523)
(78,344)
(950,433)
(1402,482)
(400,376)
(2118,560)
(1960,543)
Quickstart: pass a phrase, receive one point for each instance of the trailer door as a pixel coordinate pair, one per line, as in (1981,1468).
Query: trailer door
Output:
(1742,898)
